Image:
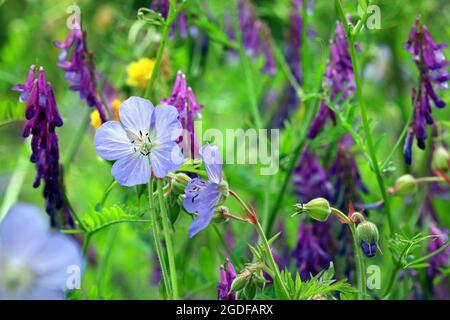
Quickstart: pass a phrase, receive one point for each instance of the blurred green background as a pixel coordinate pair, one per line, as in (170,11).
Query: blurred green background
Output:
(125,259)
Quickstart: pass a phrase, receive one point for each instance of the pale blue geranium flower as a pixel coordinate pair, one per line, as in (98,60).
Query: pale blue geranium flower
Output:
(203,196)
(34,263)
(143,141)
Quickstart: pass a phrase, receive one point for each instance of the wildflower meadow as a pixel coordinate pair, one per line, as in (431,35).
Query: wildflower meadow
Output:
(224,150)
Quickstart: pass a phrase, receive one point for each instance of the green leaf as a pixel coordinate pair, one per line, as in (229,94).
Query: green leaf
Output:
(95,221)
(10,112)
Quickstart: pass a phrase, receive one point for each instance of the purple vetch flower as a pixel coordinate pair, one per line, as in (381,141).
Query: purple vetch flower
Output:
(227,275)
(442,259)
(310,179)
(179,24)
(203,196)
(42,117)
(35,264)
(345,174)
(310,255)
(431,62)
(255,36)
(79,67)
(143,142)
(339,79)
(183,98)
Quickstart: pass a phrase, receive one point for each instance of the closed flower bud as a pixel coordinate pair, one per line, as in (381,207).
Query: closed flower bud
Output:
(405,185)
(441,159)
(224,189)
(241,280)
(179,182)
(318,209)
(219,215)
(368,235)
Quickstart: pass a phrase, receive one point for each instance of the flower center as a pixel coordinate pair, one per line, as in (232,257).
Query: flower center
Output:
(15,278)
(142,143)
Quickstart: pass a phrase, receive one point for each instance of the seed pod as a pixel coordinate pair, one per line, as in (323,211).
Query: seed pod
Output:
(441,159)
(405,185)
(318,209)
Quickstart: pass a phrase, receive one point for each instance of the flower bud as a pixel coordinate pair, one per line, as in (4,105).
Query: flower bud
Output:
(441,159)
(224,191)
(219,215)
(368,235)
(179,182)
(241,280)
(318,209)
(405,185)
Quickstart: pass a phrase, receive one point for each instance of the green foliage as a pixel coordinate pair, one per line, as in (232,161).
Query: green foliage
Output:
(403,248)
(94,221)
(10,112)
(319,287)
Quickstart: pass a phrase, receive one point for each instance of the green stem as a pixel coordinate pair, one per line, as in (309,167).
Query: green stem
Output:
(359,258)
(365,119)
(428,256)
(168,239)
(247,70)
(76,140)
(360,267)
(86,241)
(429,180)
(397,144)
(157,238)
(272,263)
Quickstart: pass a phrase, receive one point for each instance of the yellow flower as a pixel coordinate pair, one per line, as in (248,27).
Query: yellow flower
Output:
(96,122)
(95,119)
(139,72)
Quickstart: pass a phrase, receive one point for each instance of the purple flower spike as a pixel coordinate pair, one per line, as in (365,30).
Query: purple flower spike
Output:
(310,179)
(309,253)
(142,142)
(79,68)
(347,179)
(431,62)
(339,79)
(255,37)
(442,259)
(203,196)
(183,98)
(227,276)
(42,117)
(34,263)
(180,23)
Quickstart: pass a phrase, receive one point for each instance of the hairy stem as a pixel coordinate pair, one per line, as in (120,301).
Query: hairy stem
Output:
(365,119)
(157,238)
(168,239)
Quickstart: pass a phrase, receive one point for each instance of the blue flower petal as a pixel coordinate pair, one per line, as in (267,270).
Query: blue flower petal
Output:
(22,231)
(111,141)
(213,162)
(135,114)
(131,170)
(57,255)
(208,201)
(167,126)
(165,157)
(192,191)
